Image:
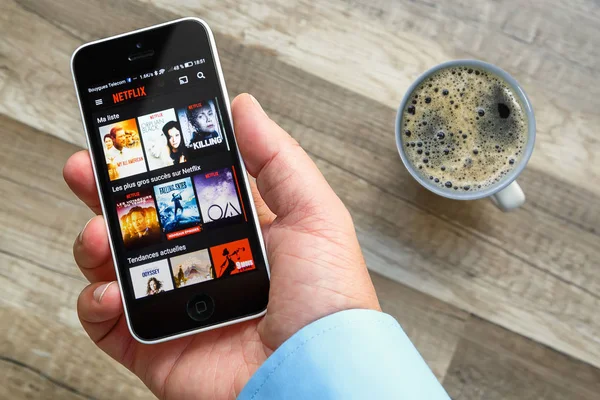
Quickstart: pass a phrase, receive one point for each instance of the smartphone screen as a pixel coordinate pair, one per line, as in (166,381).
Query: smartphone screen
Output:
(176,199)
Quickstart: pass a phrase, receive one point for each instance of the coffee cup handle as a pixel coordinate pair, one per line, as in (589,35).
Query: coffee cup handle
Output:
(509,198)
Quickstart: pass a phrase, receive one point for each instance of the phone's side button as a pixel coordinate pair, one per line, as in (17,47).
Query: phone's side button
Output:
(201,307)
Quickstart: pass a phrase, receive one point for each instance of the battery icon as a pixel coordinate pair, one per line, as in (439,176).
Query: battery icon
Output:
(188,64)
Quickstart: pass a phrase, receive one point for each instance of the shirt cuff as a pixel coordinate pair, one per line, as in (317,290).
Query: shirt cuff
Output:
(353,354)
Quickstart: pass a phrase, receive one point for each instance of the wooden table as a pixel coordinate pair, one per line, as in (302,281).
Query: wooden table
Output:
(500,305)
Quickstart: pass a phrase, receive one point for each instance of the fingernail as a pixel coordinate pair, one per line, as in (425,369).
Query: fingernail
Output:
(258,104)
(80,236)
(100,290)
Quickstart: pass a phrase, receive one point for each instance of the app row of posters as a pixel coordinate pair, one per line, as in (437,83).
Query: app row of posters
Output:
(161,139)
(192,268)
(179,208)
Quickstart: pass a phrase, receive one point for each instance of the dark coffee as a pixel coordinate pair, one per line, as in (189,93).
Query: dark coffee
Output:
(464,129)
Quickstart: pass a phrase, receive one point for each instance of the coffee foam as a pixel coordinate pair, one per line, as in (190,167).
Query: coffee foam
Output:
(464,129)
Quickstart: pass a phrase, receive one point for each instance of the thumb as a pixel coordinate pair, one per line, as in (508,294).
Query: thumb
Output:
(287,179)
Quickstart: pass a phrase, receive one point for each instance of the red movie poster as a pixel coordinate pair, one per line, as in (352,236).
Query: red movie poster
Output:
(232,258)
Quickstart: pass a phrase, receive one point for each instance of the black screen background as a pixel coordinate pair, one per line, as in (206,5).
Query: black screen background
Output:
(163,315)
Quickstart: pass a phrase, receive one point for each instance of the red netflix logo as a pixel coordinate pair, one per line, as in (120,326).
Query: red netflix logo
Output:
(129,94)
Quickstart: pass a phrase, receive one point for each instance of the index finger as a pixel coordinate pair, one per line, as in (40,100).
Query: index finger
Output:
(79,175)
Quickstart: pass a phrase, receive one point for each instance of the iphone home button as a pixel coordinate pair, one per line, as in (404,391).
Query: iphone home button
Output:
(201,307)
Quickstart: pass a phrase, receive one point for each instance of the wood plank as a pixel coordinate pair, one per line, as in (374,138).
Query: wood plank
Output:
(531,271)
(340,40)
(41,229)
(492,363)
(40,159)
(324,118)
(35,73)
(364,236)
(244,79)
(292,105)
(41,216)
(535,240)
(333,131)
(434,327)
(421,250)
(44,348)
(19,381)
(377,48)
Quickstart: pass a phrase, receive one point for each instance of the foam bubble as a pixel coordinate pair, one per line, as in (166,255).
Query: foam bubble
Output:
(471,127)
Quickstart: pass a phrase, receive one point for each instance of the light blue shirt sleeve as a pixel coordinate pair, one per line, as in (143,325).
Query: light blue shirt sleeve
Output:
(353,354)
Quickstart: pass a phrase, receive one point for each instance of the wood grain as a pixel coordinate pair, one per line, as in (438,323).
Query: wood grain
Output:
(423,251)
(373,48)
(44,348)
(533,271)
(19,381)
(41,217)
(377,48)
(494,364)
(44,352)
(510,268)
(332,74)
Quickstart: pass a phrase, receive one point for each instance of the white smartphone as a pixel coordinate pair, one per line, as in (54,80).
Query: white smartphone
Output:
(184,234)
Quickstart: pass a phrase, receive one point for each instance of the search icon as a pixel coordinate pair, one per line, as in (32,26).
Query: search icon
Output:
(200,75)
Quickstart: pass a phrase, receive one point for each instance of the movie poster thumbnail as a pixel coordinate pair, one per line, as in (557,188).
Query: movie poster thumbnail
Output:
(232,258)
(150,279)
(218,195)
(191,268)
(164,144)
(122,149)
(138,219)
(201,127)
(177,207)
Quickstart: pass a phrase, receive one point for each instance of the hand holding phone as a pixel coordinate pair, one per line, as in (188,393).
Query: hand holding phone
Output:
(168,249)
(182,229)
(317,270)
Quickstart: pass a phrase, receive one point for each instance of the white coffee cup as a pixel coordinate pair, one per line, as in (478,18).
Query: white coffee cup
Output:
(506,193)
